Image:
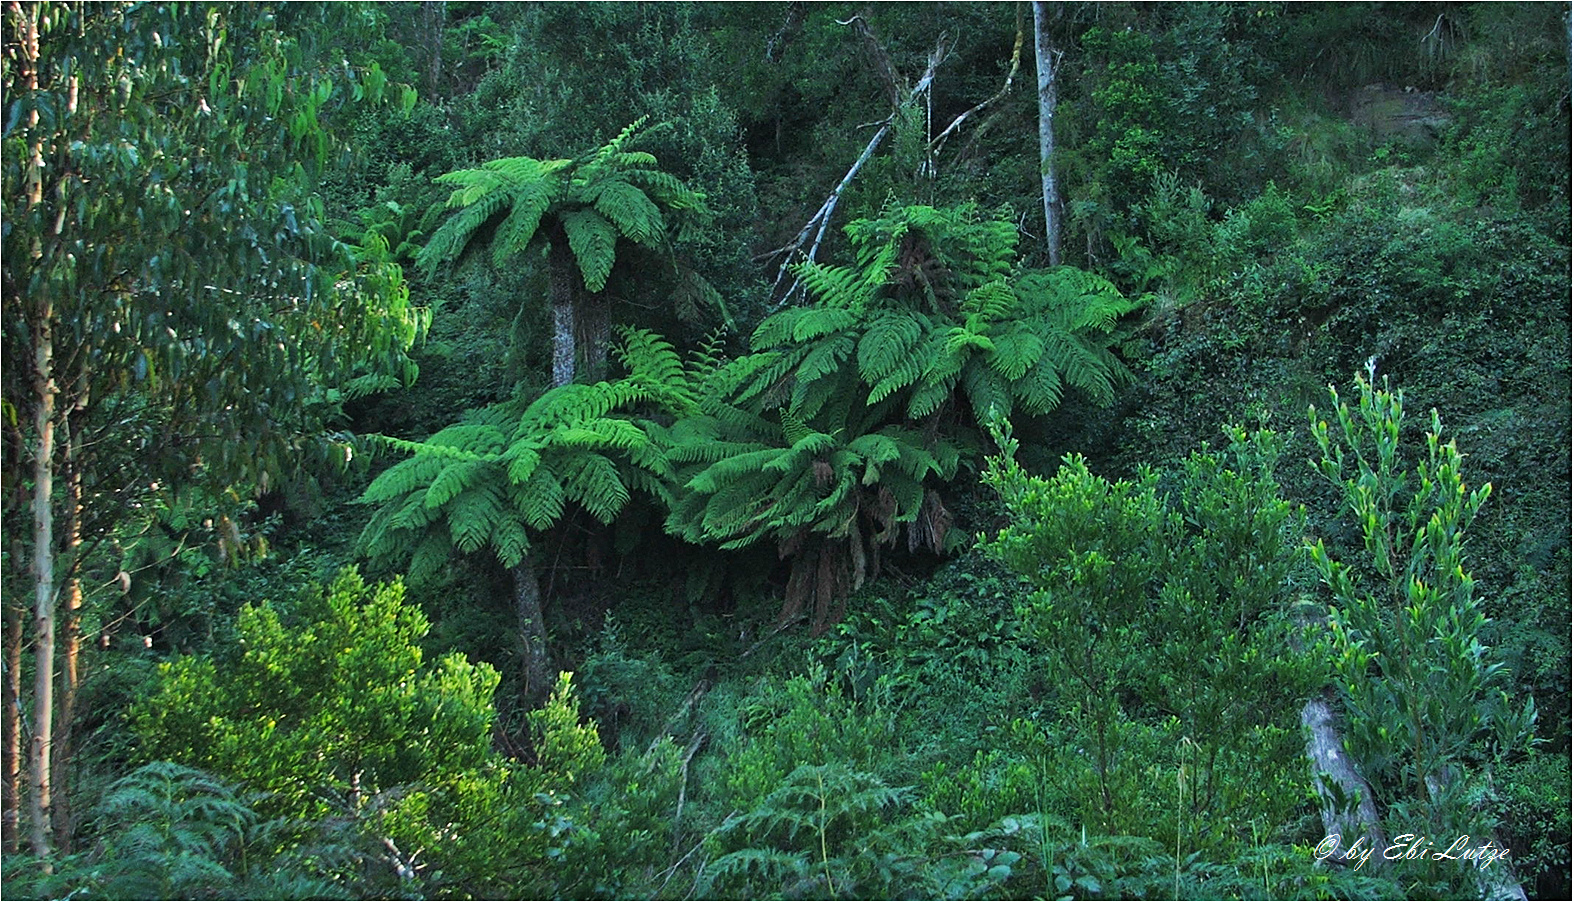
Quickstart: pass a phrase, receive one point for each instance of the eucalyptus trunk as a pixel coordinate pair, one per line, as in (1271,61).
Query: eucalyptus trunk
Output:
(1334,774)
(12,726)
(1044,56)
(71,648)
(41,749)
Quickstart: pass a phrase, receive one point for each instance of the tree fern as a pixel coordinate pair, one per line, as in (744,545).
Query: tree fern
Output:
(515,467)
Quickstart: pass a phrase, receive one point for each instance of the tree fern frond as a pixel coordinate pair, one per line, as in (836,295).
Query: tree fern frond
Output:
(664,188)
(819,321)
(594,243)
(592,481)
(836,286)
(540,500)
(988,392)
(454,234)
(1040,388)
(726,471)
(1015,352)
(908,369)
(889,338)
(630,211)
(430,554)
(929,395)
(522,462)
(991,302)
(528,204)
(455,478)
(510,541)
(825,358)
(402,478)
(472,515)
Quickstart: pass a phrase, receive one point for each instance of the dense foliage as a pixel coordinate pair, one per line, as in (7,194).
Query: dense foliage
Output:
(748,508)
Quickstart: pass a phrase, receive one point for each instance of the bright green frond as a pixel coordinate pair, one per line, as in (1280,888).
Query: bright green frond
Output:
(511,541)
(1039,389)
(522,461)
(987,391)
(1015,352)
(594,243)
(836,286)
(472,514)
(825,358)
(528,204)
(455,478)
(404,477)
(888,339)
(593,482)
(540,501)
(630,211)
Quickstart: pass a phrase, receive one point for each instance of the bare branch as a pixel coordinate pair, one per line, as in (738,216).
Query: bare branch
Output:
(938,141)
(821,220)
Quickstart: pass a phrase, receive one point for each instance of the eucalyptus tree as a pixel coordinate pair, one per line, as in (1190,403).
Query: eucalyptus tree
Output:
(172,301)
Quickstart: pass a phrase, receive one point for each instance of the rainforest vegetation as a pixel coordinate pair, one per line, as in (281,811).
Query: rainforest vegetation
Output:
(786,450)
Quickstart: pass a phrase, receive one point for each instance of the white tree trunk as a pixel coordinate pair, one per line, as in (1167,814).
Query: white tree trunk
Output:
(1044,56)
(40,752)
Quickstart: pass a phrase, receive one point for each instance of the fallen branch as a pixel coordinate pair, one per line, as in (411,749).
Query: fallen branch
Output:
(683,712)
(938,141)
(821,220)
(699,739)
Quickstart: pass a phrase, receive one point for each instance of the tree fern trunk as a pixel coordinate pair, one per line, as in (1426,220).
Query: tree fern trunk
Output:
(595,321)
(532,629)
(560,291)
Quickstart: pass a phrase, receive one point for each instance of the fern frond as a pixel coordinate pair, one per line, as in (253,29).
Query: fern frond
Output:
(825,358)
(630,211)
(836,286)
(528,203)
(472,514)
(988,392)
(510,541)
(455,478)
(1040,388)
(1015,352)
(819,321)
(592,481)
(890,337)
(430,554)
(402,478)
(539,501)
(906,372)
(594,243)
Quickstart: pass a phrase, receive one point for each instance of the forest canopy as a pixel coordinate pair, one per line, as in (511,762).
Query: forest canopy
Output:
(786,450)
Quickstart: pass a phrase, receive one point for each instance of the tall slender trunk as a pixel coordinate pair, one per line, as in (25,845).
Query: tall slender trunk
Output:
(532,628)
(71,646)
(12,726)
(560,292)
(42,747)
(434,14)
(1044,55)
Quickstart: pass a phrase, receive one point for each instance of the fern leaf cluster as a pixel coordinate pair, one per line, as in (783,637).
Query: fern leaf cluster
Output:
(609,194)
(513,468)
